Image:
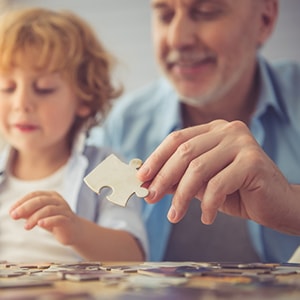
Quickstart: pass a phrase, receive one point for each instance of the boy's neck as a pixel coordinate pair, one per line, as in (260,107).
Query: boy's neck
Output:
(30,166)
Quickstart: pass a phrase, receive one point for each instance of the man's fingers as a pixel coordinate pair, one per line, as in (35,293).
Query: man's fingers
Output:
(222,192)
(196,177)
(180,166)
(175,214)
(166,149)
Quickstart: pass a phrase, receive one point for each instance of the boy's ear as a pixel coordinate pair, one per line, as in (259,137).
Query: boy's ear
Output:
(268,19)
(83,110)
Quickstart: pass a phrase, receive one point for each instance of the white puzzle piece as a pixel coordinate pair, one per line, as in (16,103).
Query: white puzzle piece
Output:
(118,176)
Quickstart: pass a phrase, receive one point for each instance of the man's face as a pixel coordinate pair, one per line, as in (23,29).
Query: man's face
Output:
(207,48)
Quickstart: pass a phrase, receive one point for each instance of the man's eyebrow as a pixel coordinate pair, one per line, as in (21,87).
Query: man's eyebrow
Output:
(196,2)
(158,5)
(162,4)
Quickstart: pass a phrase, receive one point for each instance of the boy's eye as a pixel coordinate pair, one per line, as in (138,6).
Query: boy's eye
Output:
(7,88)
(44,91)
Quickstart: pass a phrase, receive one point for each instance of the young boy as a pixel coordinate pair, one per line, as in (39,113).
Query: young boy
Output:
(55,84)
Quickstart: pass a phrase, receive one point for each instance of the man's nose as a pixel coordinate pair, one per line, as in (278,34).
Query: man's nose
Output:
(182,33)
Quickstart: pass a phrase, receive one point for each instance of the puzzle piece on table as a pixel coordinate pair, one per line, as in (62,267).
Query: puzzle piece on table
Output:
(118,176)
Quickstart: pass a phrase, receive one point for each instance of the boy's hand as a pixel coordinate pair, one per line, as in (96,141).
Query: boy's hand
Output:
(50,211)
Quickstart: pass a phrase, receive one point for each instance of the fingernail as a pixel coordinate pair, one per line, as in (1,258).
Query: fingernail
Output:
(143,171)
(151,194)
(204,220)
(207,219)
(172,214)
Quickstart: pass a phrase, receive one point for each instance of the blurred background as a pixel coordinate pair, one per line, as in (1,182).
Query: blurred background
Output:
(124,27)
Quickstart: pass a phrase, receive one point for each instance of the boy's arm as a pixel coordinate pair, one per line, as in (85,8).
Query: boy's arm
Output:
(94,242)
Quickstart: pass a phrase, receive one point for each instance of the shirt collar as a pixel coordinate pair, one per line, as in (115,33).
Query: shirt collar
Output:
(173,106)
(5,157)
(268,96)
(79,142)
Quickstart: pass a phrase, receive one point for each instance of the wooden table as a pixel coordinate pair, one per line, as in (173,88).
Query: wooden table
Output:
(165,280)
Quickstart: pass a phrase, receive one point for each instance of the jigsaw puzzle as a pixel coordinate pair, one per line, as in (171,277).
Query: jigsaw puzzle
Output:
(118,176)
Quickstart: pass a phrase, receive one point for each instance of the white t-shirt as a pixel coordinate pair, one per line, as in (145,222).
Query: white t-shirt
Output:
(16,243)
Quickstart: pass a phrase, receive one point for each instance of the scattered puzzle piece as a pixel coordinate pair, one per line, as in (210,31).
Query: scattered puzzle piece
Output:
(118,176)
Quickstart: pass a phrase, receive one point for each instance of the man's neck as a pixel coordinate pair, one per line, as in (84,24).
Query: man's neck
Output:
(238,105)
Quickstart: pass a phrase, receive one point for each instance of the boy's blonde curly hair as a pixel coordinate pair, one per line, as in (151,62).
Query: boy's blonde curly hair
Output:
(61,41)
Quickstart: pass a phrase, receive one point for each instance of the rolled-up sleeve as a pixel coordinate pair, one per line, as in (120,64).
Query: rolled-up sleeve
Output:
(126,218)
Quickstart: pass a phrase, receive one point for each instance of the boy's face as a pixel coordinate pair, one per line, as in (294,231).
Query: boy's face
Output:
(207,48)
(37,110)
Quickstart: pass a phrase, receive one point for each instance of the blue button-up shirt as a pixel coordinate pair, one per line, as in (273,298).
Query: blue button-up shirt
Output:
(139,122)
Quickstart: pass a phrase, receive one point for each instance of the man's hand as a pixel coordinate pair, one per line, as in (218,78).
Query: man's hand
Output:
(222,165)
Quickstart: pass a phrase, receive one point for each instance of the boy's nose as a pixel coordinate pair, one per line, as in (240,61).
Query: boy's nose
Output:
(23,100)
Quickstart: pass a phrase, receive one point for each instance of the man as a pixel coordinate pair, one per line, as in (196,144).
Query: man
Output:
(240,116)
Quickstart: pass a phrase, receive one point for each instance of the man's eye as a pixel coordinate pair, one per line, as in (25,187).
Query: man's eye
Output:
(206,11)
(165,17)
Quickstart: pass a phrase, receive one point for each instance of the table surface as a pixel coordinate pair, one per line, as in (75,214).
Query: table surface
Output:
(149,280)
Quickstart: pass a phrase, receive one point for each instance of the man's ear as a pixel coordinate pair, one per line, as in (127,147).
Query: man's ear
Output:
(269,17)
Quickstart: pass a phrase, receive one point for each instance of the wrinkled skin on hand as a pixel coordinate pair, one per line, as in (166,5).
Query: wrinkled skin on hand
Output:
(222,165)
